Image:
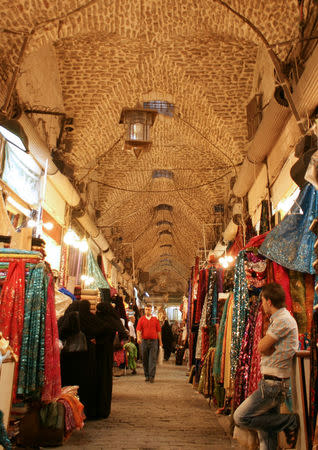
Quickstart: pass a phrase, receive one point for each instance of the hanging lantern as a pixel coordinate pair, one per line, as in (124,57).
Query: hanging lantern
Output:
(138,122)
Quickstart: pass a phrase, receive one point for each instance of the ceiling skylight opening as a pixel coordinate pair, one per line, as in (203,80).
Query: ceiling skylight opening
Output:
(162,107)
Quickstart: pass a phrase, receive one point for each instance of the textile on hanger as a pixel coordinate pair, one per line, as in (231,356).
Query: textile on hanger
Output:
(291,243)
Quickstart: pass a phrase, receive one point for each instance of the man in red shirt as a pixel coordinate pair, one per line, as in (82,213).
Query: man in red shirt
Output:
(148,335)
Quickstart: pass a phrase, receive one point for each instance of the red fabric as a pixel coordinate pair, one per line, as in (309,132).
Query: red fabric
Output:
(205,343)
(149,328)
(256,241)
(238,243)
(255,371)
(281,277)
(52,373)
(12,310)
(202,288)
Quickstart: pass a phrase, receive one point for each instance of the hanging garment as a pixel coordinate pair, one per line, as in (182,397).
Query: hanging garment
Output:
(31,367)
(12,311)
(291,243)
(219,345)
(281,276)
(265,217)
(313,379)
(298,294)
(228,342)
(52,371)
(255,370)
(240,310)
(245,356)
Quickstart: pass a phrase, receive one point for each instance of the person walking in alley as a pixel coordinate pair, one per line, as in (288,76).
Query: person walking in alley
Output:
(167,339)
(149,335)
(260,411)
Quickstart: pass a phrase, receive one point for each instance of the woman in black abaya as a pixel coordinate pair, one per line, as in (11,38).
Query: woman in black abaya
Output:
(79,368)
(104,356)
(167,339)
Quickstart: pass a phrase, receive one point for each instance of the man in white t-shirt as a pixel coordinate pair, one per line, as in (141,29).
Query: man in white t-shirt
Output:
(261,410)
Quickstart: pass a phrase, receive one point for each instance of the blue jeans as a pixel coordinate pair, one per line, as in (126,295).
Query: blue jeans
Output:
(260,412)
(149,348)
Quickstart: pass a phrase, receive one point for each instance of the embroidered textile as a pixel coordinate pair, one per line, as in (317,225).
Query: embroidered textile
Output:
(244,362)
(31,368)
(291,243)
(255,370)
(240,310)
(52,371)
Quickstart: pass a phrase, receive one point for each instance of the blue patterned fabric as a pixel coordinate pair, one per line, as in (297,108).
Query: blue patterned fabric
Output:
(290,243)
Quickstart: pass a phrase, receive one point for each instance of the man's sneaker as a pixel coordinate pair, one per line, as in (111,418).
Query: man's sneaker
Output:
(146,379)
(152,380)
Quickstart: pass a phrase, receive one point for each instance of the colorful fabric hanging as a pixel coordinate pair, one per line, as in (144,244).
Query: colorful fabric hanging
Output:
(291,243)
(52,372)
(31,368)
(265,217)
(94,271)
(281,276)
(240,310)
(245,356)
(298,294)
(12,310)
(255,370)
(219,344)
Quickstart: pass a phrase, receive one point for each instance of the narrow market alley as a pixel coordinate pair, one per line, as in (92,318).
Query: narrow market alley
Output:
(167,414)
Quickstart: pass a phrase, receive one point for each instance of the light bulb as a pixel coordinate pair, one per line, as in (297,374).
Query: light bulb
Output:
(83,246)
(31,223)
(69,237)
(230,259)
(83,277)
(222,260)
(225,264)
(76,242)
(48,226)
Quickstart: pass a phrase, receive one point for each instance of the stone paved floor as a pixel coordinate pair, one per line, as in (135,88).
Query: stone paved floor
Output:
(167,414)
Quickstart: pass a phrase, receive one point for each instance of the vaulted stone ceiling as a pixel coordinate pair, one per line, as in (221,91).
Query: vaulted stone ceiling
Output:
(195,54)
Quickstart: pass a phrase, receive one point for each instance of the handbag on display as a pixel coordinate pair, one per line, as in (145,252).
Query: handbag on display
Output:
(75,342)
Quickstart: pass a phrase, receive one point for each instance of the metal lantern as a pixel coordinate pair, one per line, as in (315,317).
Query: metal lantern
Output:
(138,122)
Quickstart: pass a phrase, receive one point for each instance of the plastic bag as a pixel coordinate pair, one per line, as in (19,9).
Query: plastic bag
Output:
(160,356)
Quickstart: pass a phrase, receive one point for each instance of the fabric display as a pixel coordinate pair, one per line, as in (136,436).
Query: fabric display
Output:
(94,271)
(92,295)
(284,255)
(28,321)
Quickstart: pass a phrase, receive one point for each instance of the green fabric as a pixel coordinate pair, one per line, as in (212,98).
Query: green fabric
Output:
(31,370)
(94,271)
(131,350)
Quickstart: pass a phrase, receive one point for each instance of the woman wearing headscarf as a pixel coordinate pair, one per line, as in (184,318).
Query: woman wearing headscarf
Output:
(79,368)
(167,339)
(104,356)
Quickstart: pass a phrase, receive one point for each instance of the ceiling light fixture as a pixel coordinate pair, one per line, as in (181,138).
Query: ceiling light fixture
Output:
(138,122)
